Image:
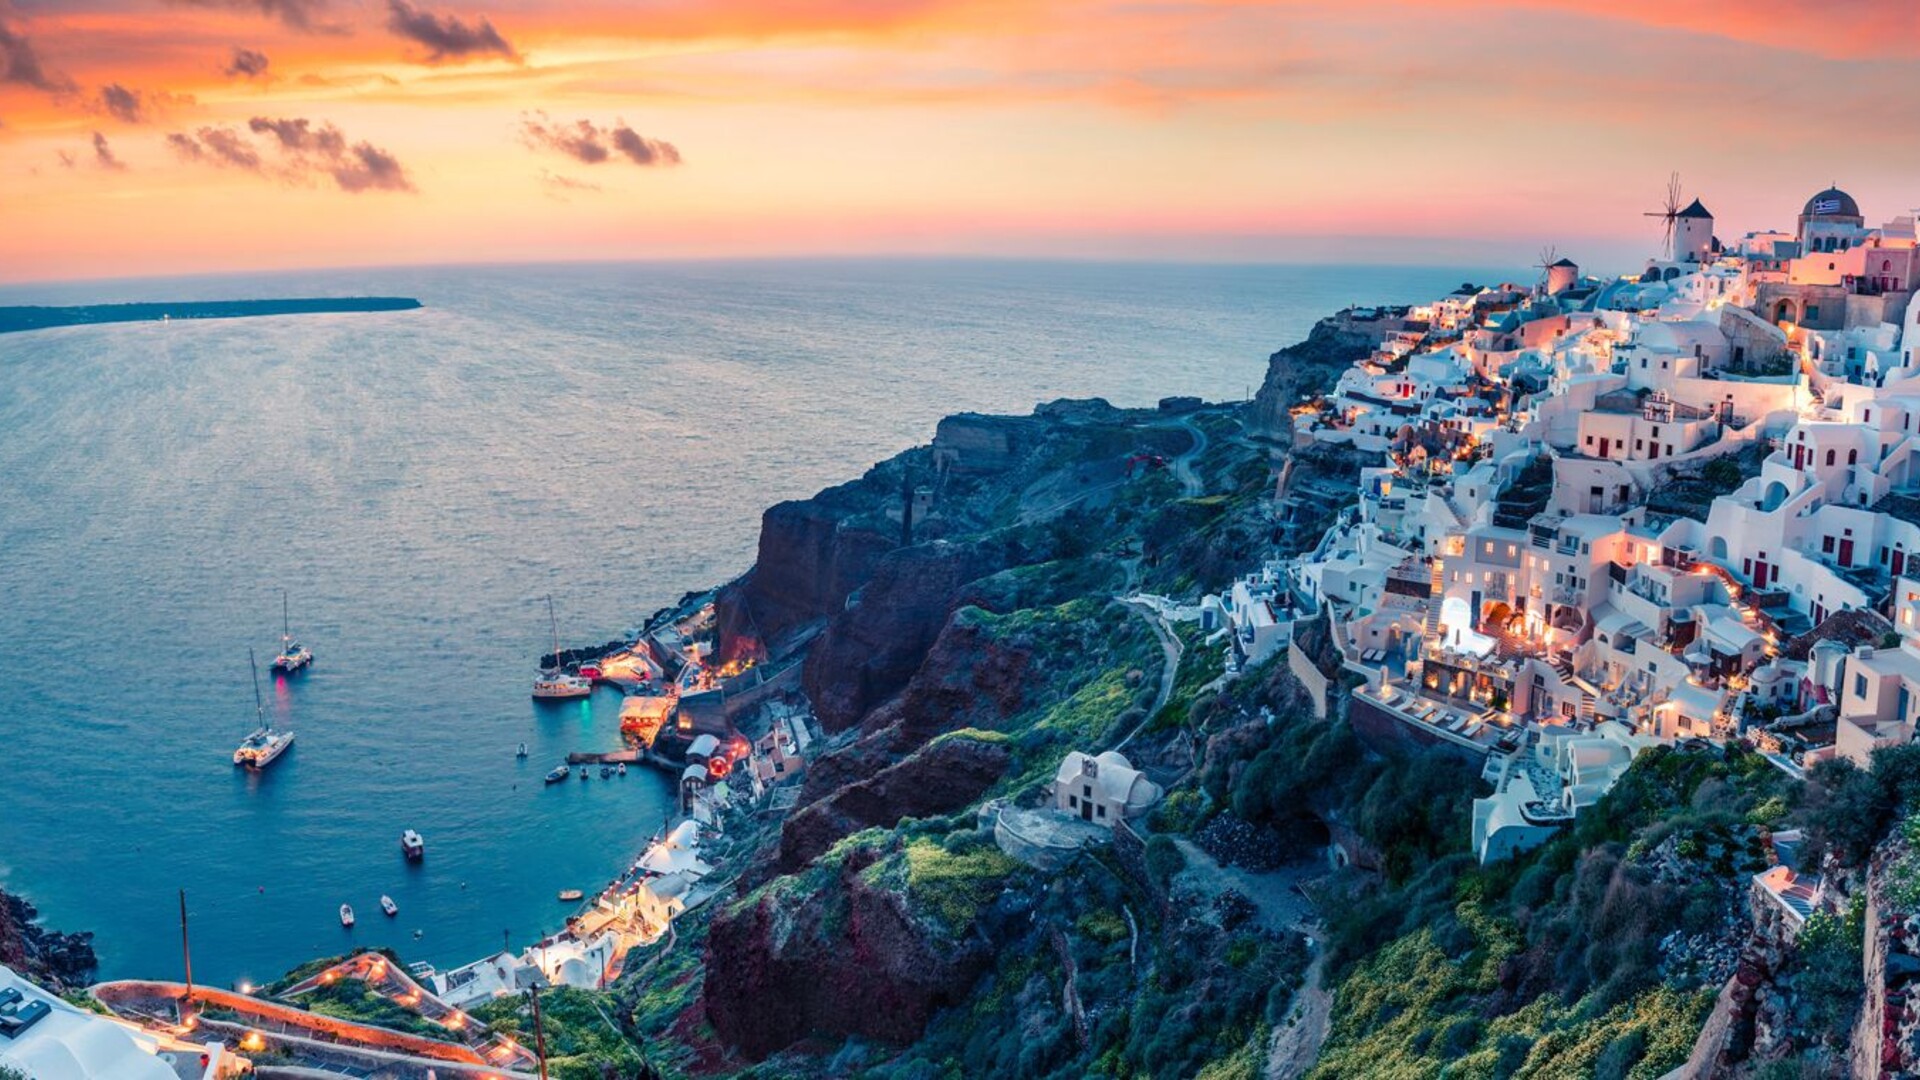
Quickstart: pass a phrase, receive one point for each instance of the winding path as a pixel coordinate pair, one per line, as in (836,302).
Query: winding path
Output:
(1171,648)
(1190,484)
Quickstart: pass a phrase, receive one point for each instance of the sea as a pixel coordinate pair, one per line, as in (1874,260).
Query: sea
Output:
(418,483)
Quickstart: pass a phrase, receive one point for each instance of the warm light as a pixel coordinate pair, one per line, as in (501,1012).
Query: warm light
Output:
(253,1041)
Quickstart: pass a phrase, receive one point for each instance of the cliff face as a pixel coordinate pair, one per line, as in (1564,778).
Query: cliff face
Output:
(1303,369)
(845,958)
(940,779)
(60,961)
(870,651)
(810,560)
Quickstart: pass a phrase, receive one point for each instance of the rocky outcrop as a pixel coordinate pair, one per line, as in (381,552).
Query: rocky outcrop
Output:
(812,557)
(1307,368)
(847,958)
(946,776)
(870,650)
(57,960)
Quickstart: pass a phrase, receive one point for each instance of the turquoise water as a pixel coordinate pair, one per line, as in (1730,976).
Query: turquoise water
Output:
(419,481)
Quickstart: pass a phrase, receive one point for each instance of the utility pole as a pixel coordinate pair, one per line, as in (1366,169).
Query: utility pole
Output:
(186,950)
(539,1032)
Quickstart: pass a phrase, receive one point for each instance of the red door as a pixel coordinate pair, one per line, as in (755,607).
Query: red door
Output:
(1760,575)
(1899,562)
(1846,553)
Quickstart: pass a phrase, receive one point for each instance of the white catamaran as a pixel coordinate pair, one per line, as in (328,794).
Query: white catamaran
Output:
(259,749)
(293,655)
(554,682)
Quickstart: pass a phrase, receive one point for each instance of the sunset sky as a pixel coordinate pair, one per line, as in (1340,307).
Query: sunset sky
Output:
(164,136)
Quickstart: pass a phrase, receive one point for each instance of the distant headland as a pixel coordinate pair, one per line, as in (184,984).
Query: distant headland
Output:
(15,319)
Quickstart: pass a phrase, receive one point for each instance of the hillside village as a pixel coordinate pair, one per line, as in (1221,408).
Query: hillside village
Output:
(1621,513)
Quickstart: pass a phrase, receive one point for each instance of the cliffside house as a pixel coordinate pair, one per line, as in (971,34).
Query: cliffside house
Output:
(1102,789)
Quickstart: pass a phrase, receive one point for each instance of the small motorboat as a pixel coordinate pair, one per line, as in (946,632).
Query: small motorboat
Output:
(387,905)
(413,845)
(346,915)
(558,774)
(521,752)
(606,771)
(622,770)
(585,773)
(569,896)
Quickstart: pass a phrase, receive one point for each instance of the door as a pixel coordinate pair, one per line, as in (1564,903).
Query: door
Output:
(1760,570)
(1086,810)
(1846,552)
(1899,562)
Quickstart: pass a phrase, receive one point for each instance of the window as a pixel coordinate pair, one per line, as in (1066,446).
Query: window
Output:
(1826,545)
(1100,810)
(1073,801)
(1087,790)
(1860,686)
(1830,457)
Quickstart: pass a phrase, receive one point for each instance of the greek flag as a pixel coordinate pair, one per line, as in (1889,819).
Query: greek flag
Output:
(1826,206)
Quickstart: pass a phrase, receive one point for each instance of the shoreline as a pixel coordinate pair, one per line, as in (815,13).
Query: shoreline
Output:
(23,319)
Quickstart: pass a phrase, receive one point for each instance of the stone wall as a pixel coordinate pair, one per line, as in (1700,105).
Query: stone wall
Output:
(1317,685)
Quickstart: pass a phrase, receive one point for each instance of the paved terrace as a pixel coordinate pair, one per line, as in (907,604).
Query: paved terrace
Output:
(387,980)
(1476,730)
(267,1026)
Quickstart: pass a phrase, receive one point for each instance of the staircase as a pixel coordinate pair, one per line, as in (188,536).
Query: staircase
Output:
(1563,666)
(1434,598)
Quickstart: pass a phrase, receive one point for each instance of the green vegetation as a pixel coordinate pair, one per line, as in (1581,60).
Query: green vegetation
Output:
(1416,1008)
(953,885)
(583,1041)
(351,999)
(1077,684)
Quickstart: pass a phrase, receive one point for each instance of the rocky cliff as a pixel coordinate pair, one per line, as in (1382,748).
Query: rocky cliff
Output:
(870,650)
(1306,368)
(842,952)
(60,961)
(813,554)
(946,776)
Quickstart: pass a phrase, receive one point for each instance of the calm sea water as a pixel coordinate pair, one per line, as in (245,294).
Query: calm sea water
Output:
(419,481)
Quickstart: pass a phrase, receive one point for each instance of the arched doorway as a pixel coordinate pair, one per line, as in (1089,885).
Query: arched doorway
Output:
(1785,312)
(1717,549)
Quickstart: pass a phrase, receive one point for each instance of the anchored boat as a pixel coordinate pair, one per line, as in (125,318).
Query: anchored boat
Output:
(558,774)
(387,905)
(554,684)
(263,745)
(293,655)
(346,915)
(413,845)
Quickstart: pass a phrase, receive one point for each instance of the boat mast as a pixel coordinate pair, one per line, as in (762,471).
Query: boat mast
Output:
(286,626)
(259,708)
(556,632)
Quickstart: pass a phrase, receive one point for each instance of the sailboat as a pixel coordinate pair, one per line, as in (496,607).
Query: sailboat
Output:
(554,683)
(260,749)
(293,655)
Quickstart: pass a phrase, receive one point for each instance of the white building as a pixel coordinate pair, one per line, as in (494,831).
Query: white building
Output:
(1103,789)
(48,1039)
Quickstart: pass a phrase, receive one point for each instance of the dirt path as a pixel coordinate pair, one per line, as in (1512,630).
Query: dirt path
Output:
(1190,484)
(1170,648)
(1297,1040)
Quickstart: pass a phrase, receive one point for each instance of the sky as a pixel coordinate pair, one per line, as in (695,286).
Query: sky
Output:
(146,137)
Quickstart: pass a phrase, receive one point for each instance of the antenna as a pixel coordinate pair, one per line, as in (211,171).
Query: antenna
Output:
(1672,212)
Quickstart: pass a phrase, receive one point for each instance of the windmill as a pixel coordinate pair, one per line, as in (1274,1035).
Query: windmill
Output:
(1548,255)
(1671,213)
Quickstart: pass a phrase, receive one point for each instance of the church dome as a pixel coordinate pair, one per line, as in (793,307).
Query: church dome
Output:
(1831,203)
